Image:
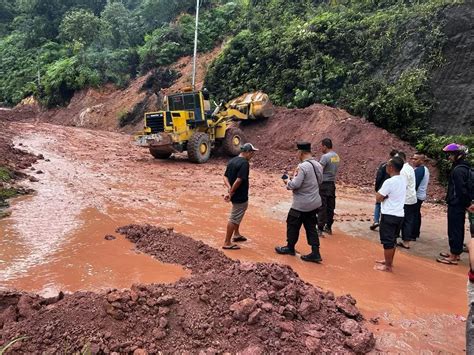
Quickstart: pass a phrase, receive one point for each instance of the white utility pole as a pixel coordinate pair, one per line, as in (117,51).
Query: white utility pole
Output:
(195,43)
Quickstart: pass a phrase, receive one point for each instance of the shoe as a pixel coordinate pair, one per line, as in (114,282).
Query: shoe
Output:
(374,226)
(285,251)
(327,230)
(314,257)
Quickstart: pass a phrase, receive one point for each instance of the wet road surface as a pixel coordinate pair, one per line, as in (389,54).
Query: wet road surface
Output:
(93,182)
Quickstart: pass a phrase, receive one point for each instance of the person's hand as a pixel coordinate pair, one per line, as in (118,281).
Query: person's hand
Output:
(227,198)
(471,208)
(295,173)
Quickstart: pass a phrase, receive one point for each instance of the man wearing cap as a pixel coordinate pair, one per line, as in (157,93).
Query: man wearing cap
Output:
(236,179)
(306,200)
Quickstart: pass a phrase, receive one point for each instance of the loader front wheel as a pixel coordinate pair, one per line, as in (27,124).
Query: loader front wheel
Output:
(199,148)
(159,154)
(234,138)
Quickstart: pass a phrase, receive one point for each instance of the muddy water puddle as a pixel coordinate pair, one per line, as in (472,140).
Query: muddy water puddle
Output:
(55,238)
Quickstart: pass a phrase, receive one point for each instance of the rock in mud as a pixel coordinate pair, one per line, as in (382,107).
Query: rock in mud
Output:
(241,310)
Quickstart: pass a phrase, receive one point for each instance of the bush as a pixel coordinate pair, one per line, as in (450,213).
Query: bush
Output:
(432,145)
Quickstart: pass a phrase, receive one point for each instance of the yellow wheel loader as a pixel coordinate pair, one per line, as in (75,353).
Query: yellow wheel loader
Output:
(189,124)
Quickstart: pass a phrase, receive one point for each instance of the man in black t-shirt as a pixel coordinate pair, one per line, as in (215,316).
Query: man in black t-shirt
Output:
(236,179)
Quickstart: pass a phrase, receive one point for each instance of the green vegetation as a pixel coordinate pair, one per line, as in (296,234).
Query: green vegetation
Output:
(349,55)
(432,145)
(51,49)
(5,174)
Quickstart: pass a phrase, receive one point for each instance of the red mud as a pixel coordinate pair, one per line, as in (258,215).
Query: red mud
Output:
(361,145)
(226,305)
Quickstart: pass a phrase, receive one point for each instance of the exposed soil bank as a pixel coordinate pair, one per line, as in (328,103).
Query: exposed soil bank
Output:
(224,306)
(361,145)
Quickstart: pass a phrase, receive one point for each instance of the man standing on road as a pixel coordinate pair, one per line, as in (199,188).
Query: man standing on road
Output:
(306,200)
(330,163)
(392,199)
(422,178)
(458,199)
(410,203)
(380,177)
(236,179)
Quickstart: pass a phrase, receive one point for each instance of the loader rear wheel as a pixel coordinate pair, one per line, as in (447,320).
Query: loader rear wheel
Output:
(234,138)
(199,148)
(158,154)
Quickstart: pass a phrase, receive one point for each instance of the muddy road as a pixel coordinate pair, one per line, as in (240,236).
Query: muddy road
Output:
(92,182)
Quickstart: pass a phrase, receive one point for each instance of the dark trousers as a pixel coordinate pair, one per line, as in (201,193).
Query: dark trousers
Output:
(417,224)
(409,222)
(293,225)
(389,230)
(456,220)
(327,191)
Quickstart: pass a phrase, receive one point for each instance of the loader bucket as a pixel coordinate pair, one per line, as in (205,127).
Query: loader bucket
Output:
(259,103)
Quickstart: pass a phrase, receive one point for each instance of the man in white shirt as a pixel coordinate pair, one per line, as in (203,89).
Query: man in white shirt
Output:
(392,198)
(409,221)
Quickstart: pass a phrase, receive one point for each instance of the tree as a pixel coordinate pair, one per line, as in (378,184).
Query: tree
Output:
(81,26)
(118,26)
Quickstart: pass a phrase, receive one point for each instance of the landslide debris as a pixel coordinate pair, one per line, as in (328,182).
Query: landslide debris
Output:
(225,306)
(11,161)
(361,145)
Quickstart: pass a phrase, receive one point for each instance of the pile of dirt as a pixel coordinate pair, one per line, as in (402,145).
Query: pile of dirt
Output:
(98,108)
(185,68)
(225,306)
(10,157)
(361,145)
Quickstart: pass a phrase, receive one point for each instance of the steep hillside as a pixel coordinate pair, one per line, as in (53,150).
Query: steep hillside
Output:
(452,84)
(402,65)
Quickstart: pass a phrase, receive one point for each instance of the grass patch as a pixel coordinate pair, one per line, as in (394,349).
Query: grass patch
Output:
(7,193)
(5,174)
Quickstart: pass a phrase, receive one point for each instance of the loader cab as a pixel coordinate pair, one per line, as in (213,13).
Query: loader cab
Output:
(193,102)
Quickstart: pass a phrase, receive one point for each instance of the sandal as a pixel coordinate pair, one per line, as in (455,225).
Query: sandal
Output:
(447,261)
(444,255)
(231,247)
(240,238)
(400,244)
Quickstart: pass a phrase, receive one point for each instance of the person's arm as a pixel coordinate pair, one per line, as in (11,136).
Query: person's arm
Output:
(297,180)
(379,177)
(235,186)
(460,180)
(323,161)
(379,197)
(382,194)
(227,183)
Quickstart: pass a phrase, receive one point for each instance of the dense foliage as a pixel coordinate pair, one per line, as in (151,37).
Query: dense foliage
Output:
(351,55)
(51,48)
(432,145)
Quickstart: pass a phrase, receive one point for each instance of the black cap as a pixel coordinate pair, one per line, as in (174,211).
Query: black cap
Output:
(304,146)
(248,147)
